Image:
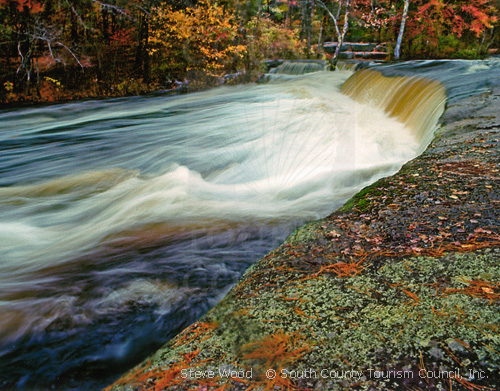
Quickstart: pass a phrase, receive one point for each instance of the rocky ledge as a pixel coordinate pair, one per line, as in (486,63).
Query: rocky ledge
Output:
(399,289)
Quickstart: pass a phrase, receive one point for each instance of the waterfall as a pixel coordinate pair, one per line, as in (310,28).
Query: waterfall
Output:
(348,66)
(124,220)
(415,101)
(300,67)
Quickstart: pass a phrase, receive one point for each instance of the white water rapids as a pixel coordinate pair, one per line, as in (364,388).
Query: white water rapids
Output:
(117,206)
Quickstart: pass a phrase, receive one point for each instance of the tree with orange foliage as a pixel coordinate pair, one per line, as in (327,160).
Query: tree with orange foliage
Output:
(434,28)
(432,21)
(429,28)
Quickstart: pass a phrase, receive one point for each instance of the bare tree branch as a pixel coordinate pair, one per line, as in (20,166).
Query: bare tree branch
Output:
(77,15)
(323,5)
(142,9)
(20,54)
(114,8)
(73,54)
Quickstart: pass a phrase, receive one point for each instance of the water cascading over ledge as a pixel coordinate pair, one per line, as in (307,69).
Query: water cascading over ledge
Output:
(415,101)
(144,211)
(300,67)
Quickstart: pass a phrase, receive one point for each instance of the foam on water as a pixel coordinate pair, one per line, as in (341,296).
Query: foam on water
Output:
(291,156)
(160,203)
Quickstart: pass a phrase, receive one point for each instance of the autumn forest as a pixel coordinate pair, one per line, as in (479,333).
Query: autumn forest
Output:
(74,49)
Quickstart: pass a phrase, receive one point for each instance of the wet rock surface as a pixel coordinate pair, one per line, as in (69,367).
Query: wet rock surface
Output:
(399,289)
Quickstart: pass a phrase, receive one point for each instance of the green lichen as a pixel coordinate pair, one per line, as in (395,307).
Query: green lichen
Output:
(367,322)
(361,200)
(371,324)
(304,233)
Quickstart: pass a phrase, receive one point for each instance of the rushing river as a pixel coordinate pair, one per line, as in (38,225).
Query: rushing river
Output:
(123,221)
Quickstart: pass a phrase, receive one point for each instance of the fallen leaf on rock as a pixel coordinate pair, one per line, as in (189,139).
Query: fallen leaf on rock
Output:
(487,290)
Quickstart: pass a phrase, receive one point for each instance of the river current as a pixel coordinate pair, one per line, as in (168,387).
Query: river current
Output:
(122,221)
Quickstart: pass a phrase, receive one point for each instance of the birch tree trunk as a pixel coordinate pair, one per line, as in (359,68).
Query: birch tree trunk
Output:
(401,30)
(334,19)
(340,42)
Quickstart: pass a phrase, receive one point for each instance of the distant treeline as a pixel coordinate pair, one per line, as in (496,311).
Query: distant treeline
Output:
(71,49)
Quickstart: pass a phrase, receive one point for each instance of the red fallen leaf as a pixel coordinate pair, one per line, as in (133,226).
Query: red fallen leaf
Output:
(480,230)
(333,234)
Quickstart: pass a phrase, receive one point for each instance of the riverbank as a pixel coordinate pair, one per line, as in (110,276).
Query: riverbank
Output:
(52,91)
(398,288)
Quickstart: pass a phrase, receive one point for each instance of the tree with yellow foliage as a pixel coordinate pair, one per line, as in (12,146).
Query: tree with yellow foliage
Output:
(202,38)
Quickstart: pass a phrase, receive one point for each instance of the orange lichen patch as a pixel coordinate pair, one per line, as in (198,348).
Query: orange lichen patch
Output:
(244,312)
(495,351)
(400,332)
(483,239)
(468,246)
(421,366)
(342,269)
(412,295)
(159,379)
(278,349)
(464,344)
(173,375)
(469,385)
(343,359)
(193,332)
(240,287)
(393,285)
(440,313)
(298,311)
(277,352)
(478,288)
(354,324)
(451,355)
(299,299)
